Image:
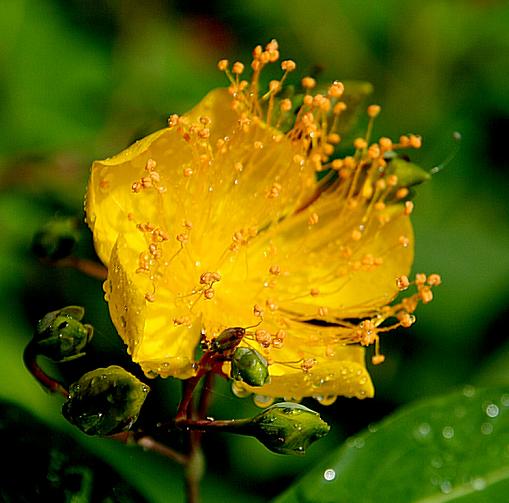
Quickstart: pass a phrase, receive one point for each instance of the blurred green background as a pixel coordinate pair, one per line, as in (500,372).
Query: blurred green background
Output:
(81,79)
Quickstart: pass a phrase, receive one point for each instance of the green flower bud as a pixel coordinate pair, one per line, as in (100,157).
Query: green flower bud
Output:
(61,336)
(105,401)
(408,173)
(250,367)
(56,239)
(288,428)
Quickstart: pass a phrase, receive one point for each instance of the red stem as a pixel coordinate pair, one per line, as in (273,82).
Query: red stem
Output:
(52,385)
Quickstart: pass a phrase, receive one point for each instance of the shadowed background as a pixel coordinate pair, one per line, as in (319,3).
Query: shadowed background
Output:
(80,80)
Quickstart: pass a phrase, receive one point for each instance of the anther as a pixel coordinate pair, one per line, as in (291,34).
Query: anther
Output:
(339,107)
(426,294)
(409,207)
(373,110)
(404,141)
(209,293)
(415,141)
(288,65)
(173,120)
(401,193)
(385,143)
(237,68)
(360,143)
(336,89)
(222,65)
(285,105)
(392,180)
(420,279)
(377,359)
(308,83)
(402,282)
(434,279)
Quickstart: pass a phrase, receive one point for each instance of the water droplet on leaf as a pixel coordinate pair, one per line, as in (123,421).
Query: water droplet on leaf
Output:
(329,474)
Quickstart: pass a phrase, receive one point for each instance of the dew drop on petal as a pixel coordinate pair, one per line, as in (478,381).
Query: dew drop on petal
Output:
(263,401)
(326,399)
(329,474)
(239,391)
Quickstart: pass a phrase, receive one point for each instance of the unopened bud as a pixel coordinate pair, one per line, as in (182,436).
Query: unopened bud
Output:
(250,367)
(105,401)
(61,336)
(56,239)
(408,173)
(288,428)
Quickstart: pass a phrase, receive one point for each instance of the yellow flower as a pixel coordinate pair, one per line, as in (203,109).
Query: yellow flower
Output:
(219,221)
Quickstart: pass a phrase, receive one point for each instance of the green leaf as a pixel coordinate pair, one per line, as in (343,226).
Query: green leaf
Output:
(46,465)
(449,448)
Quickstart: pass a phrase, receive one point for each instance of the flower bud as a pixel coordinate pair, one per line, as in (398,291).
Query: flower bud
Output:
(288,428)
(250,367)
(56,239)
(61,336)
(408,173)
(105,401)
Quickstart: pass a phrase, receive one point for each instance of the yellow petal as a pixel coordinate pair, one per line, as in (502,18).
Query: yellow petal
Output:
(151,337)
(343,374)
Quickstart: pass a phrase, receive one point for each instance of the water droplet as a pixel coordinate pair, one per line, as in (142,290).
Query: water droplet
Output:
(263,401)
(372,428)
(446,486)
(326,399)
(358,443)
(492,410)
(437,462)
(423,430)
(468,391)
(486,428)
(145,389)
(434,480)
(329,474)
(448,432)
(504,400)
(239,391)
(478,484)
